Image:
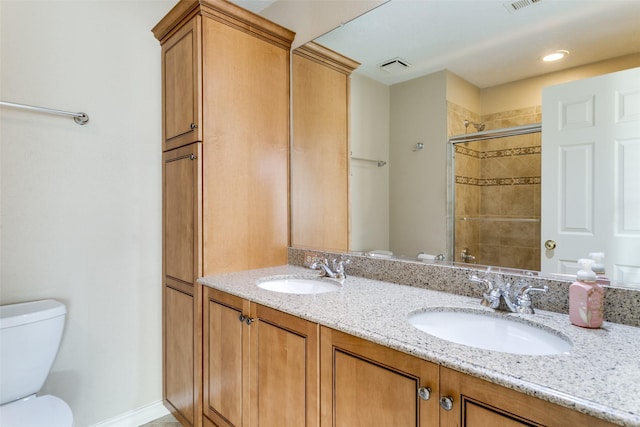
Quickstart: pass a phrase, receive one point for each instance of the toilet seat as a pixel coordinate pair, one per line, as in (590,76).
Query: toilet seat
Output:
(36,412)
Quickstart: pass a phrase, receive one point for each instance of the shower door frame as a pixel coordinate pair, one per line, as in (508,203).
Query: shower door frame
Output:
(451,180)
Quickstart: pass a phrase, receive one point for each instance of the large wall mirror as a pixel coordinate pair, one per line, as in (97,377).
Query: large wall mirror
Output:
(432,70)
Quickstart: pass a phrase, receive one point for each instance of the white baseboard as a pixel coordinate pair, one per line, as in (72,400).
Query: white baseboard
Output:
(136,417)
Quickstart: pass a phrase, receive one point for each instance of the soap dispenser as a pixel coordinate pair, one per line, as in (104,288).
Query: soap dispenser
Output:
(598,267)
(586,298)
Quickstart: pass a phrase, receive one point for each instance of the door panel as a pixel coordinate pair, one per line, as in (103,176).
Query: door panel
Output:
(178,352)
(365,384)
(225,362)
(181,87)
(282,373)
(181,211)
(370,394)
(591,182)
(478,415)
(225,378)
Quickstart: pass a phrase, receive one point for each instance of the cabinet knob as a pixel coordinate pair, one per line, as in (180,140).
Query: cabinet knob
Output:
(193,126)
(246,319)
(193,157)
(446,403)
(424,393)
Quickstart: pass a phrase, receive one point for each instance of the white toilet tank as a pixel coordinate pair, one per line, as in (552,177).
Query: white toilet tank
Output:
(30,335)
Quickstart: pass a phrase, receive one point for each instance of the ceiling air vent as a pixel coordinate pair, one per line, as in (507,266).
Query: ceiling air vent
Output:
(394,65)
(518,5)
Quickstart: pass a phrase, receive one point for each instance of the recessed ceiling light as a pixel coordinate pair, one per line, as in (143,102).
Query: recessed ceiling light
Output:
(555,56)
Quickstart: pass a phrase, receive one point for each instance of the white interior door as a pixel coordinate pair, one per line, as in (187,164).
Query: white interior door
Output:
(591,174)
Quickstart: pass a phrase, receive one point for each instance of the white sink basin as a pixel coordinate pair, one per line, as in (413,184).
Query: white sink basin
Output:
(490,332)
(299,285)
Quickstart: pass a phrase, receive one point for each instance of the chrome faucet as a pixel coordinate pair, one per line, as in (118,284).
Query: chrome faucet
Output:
(517,299)
(335,271)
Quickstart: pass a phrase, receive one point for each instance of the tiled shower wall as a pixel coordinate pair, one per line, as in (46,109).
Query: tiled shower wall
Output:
(497,189)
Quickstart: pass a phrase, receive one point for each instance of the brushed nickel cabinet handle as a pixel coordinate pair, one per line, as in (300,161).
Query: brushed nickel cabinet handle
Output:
(424,393)
(446,403)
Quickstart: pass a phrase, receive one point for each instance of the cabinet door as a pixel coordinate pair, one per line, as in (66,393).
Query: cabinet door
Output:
(285,365)
(181,299)
(182,215)
(260,365)
(182,88)
(478,403)
(226,359)
(366,385)
(178,352)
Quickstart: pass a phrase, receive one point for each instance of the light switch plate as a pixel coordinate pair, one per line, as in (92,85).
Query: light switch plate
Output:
(310,258)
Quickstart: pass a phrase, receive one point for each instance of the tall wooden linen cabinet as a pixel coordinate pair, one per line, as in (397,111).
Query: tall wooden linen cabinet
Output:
(225,74)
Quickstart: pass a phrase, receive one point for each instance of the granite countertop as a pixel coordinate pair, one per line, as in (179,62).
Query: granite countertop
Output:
(600,376)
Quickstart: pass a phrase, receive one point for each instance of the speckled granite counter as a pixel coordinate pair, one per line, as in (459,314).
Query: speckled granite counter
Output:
(600,377)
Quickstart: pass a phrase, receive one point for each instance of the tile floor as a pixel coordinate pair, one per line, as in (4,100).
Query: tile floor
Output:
(166,421)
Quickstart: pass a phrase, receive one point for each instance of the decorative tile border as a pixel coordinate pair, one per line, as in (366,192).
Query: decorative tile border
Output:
(506,152)
(482,182)
(465,151)
(511,152)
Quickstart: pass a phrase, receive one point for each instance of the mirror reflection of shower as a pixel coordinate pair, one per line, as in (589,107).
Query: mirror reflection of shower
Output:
(497,197)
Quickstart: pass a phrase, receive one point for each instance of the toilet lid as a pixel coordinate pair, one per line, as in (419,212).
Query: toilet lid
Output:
(36,412)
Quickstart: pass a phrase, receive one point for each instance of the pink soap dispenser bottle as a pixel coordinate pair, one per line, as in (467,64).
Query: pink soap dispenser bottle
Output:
(586,298)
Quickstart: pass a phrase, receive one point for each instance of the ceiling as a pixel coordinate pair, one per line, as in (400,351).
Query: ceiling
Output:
(486,42)
(255,6)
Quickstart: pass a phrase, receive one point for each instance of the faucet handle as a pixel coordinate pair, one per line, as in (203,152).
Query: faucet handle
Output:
(339,264)
(491,298)
(488,283)
(322,264)
(524,291)
(316,264)
(336,261)
(523,301)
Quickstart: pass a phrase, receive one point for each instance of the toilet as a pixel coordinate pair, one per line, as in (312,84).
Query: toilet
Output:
(30,335)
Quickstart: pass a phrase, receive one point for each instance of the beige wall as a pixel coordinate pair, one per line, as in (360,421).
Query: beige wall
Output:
(369,183)
(528,92)
(418,178)
(81,205)
(463,93)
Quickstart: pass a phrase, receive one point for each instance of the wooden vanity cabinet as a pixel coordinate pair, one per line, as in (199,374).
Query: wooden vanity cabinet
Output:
(225,87)
(260,365)
(479,403)
(364,384)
